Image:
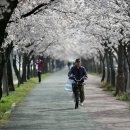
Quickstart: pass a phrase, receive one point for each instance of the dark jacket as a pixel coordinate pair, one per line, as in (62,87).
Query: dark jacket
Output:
(78,72)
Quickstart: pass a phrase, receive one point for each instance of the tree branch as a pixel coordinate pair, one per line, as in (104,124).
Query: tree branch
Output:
(115,49)
(65,12)
(42,51)
(45,5)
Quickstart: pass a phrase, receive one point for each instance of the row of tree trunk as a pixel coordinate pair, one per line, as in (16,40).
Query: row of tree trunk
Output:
(114,66)
(24,66)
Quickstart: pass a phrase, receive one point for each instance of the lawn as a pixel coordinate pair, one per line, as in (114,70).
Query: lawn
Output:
(16,97)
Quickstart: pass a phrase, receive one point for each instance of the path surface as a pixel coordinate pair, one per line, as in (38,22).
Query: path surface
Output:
(109,113)
(50,107)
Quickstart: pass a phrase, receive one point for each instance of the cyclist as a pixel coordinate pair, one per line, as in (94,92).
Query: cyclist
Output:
(79,71)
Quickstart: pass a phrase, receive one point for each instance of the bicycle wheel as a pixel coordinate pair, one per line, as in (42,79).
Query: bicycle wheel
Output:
(77,99)
(76,105)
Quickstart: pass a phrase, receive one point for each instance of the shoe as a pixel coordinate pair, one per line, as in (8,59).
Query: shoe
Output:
(81,104)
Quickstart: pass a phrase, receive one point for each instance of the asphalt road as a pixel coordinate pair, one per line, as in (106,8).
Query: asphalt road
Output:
(49,107)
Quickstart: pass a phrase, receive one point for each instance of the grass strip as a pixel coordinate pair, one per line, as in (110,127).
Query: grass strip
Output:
(17,97)
(108,87)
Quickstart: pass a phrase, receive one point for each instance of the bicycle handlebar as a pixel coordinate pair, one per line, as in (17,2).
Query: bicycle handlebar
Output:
(80,79)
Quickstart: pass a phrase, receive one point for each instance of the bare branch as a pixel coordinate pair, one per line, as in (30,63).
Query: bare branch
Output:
(33,11)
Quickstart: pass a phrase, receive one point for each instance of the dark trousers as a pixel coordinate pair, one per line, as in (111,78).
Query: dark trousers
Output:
(81,89)
(39,76)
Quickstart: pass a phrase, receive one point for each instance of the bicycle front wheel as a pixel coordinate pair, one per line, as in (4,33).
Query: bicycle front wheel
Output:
(77,99)
(76,104)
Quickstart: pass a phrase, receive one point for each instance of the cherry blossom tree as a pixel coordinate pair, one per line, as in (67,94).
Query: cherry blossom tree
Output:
(96,31)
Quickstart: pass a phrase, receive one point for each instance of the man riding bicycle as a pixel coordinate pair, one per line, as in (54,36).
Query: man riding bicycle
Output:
(79,71)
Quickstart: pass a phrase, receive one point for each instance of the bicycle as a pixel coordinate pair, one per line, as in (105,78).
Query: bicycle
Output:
(76,89)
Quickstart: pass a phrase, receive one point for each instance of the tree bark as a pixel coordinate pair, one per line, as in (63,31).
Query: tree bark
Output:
(10,5)
(8,10)
(93,65)
(17,73)
(120,84)
(5,80)
(28,70)
(112,69)
(45,65)
(4,57)
(128,86)
(10,76)
(2,62)
(103,69)
(24,68)
(129,56)
(31,70)
(100,65)
(108,66)
(34,68)
(19,70)
(125,74)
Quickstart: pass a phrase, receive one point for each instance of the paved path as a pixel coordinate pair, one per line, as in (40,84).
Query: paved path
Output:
(109,113)
(50,107)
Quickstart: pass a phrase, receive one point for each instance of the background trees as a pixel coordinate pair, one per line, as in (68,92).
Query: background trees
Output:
(96,31)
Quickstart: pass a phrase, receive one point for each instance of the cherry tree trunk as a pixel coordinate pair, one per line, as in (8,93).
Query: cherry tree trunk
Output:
(8,8)
(108,67)
(5,80)
(103,69)
(128,84)
(17,73)
(10,76)
(112,69)
(31,70)
(1,72)
(120,84)
(34,68)
(54,65)
(100,66)
(129,56)
(28,70)
(45,65)
(93,65)
(24,68)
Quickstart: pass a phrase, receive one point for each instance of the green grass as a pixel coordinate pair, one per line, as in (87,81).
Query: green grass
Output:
(16,97)
(108,87)
(124,97)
